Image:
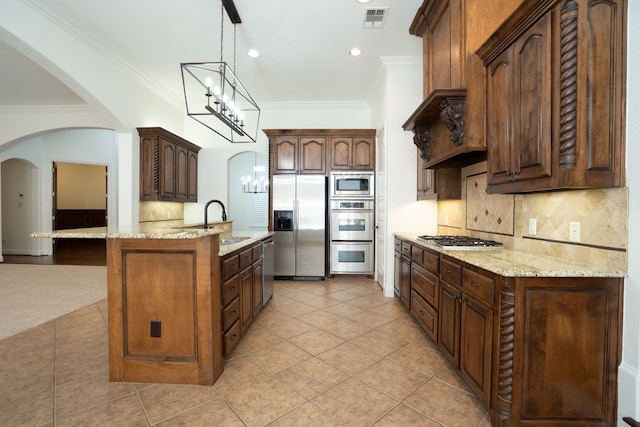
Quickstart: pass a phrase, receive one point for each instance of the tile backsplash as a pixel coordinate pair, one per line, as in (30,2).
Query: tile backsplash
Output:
(602,213)
(161,211)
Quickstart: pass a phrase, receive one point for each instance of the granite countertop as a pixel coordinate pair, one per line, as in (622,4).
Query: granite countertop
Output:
(514,263)
(161,231)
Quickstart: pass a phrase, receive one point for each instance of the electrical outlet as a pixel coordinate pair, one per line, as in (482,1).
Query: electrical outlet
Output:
(574,231)
(533,226)
(156,329)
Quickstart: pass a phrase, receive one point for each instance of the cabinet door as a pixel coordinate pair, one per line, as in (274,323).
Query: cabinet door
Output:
(168,169)
(257,287)
(425,181)
(313,156)
(341,152)
(397,274)
(285,155)
(449,336)
(192,176)
(182,173)
(475,346)
(148,177)
(363,153)
(246,301)
(405,282)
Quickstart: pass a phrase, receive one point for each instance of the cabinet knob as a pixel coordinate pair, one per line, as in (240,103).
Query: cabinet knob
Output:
(472,283)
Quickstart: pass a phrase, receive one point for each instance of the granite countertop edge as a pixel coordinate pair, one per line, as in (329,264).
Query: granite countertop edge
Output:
(516,263)
(172,232)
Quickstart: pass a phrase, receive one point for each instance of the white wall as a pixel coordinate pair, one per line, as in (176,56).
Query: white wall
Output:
(629,373)
(91,146)
(399,93)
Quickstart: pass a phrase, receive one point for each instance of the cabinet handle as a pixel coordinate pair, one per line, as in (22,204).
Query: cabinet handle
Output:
(448,271)
(234,336)
(233,313)
(472,283)
(232,288)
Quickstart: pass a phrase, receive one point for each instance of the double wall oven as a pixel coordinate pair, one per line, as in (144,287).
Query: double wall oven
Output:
(351,223)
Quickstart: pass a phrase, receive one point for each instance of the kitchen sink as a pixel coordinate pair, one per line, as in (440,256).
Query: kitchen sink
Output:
(232,240)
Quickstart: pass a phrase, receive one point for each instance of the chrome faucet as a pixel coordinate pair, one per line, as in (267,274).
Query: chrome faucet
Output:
(206,208)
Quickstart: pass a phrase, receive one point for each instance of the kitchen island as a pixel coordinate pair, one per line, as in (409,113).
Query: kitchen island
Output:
(537,338)
(165,299)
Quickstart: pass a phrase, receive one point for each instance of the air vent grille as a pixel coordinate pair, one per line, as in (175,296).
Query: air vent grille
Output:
(375,17)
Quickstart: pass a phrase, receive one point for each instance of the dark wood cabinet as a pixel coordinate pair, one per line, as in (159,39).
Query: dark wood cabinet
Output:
(241,292)
(293,155)
(449,324)
(402,274)
(168,167)
(437,184)
(352,153)
(555,107)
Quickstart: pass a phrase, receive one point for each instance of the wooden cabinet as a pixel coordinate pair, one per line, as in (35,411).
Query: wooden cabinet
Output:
(425,289)
(402,273)
(241,276)
(555,108)
(352,153)
(307,151)
(448,125)
(292,154)
(437,184)
(168,167)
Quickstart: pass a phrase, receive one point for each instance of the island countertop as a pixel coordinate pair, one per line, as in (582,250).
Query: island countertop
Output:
(515,263)
(160,231)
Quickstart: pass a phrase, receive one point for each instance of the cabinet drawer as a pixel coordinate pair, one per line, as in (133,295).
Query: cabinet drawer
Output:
(230,266)
(450,272)
(481,287)
(426,315)
(425,283)
(431,262)
(416,254)
(231,338)
(246,257)
(256,252)
(230,290)
(397,245)
(230,314)
(406,249)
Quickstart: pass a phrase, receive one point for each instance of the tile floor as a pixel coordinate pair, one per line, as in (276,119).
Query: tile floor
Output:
(332,353)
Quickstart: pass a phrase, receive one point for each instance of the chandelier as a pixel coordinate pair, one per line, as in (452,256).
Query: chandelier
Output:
(256,184)
(214,95)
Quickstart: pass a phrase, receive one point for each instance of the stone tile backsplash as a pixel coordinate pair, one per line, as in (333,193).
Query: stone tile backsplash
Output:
(602,214)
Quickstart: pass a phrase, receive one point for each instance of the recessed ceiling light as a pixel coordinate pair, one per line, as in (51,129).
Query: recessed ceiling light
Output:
(363,1)
(355,52)
(253,53)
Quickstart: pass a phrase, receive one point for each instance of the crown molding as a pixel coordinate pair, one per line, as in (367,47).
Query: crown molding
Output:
(314,105)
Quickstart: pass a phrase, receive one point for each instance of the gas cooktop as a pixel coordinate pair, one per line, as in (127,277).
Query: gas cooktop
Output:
(461,242)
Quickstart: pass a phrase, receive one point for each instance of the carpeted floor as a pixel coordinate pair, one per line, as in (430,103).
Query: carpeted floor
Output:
(34,294)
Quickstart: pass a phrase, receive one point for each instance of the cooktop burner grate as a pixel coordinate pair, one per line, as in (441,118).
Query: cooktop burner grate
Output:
(461,242)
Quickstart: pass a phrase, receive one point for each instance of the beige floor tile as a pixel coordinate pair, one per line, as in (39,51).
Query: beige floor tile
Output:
(450,376)
(125,411)
(317,301)
(215,412)
(349,358)
(344,309)
(420,358)
(380,342)
(163,401)
(394,379)
(312,377)
(279,357)
(26,383)
(347,329)
(370,318)
(290,328)
(263,401)
(404,416)
(36,411)
(81,395)
(308,415)
(320,318)
(239,372)
(256,338)
(447,405)
(370,301)
(316,341)
(404,327)
(354,403)
(291,307)
(28,350)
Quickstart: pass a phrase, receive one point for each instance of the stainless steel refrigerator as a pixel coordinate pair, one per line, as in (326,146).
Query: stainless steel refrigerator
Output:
(299,225)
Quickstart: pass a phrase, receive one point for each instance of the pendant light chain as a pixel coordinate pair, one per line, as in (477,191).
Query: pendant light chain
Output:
(234,48)
(221,31)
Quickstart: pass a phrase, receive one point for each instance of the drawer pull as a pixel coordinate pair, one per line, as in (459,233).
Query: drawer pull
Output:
(448,271)
(232,289)
(421,312)
(472,283)
(234,336)
(233,313)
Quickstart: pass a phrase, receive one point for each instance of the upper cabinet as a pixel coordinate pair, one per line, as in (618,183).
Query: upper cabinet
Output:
(448,126)
(348,153)
(306,151)
(555,73)
(168,167)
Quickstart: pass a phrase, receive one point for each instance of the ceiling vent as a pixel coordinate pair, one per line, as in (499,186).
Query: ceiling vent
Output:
(375,17)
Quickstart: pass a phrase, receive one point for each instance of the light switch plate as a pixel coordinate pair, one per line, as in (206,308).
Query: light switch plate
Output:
(533,226)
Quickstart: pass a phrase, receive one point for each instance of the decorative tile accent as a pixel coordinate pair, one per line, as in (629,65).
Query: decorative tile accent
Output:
(492,213)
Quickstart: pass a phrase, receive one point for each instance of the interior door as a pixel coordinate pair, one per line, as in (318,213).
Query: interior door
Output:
(380,220)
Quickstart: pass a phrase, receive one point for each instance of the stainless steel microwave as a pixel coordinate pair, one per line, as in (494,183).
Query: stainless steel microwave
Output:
(352,185)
